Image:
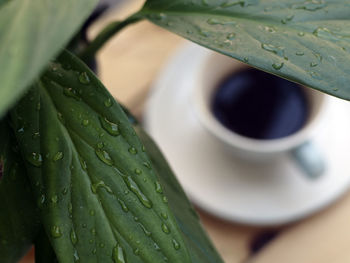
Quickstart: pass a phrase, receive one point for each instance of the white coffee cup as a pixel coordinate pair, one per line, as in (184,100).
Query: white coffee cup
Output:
(214,70)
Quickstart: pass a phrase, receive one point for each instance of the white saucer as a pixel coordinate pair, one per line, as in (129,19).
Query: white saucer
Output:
(225,186)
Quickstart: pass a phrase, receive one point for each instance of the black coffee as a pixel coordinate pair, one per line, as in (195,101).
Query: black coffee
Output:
(259,105)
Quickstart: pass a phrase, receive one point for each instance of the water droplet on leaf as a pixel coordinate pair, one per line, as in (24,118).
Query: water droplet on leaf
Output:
(84,78)
(104,156)
(85,122)
(231,36)
(82,163)
(118,254)
(165,229)
(64,191)
(70,208)
(204,33)
(41,201)
(123,205)
(176,244)
(110,127)
(270,29)
(136,190)
(287,19)
(54,199)
(72,93)
(132,150)
(328,34)
(318,56)
(242,3)
(156,246)
(310,5)
(315,75)
(277,66)
(108,102)
(36,135)
(58,156)
(35,159)
(230,3)
(76,257)
(214,21)
(56,232)
(147,233)
(164,216)
(73,237)
(273,49)
(100,184)
(158,187)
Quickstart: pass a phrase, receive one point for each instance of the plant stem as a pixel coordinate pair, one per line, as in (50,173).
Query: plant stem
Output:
(109,31)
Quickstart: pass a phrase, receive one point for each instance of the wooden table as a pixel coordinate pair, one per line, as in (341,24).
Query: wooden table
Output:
(128,65)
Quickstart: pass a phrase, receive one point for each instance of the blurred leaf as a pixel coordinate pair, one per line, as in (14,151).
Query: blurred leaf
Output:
(32,33)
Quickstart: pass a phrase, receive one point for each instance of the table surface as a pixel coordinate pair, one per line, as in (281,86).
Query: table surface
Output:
(128,64)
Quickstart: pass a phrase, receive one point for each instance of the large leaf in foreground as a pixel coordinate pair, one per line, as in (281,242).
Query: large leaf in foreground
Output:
(31,33)
(307,41)
(200,247)
(19,222)
(99,197)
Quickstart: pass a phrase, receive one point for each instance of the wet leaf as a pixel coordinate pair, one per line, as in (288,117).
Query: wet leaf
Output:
(306,41)
(200,247)
(94,206)
(33,32)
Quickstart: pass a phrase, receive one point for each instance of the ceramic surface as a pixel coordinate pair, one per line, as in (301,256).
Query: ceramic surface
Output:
(246,192)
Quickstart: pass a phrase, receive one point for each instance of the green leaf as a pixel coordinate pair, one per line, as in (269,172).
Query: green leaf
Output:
(31,33)
(19,222)
(306,41)
(200,248)
(99,193)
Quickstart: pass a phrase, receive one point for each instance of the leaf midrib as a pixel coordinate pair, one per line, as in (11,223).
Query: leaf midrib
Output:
(75,150)
(83,139)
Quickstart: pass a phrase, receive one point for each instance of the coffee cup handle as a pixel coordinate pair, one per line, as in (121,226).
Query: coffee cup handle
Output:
(309,159)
